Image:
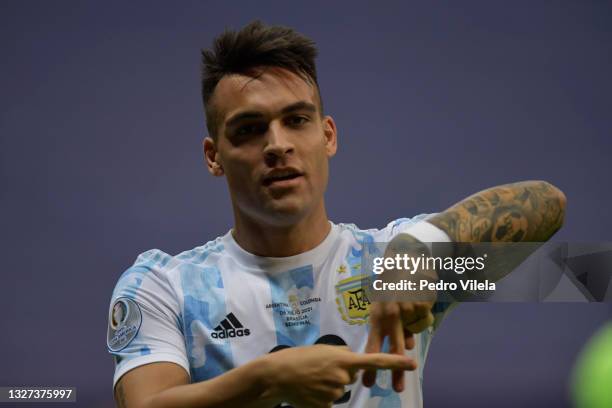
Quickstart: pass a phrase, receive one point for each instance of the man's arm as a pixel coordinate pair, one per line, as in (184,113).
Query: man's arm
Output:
(528,211)
(303,376)
(164,384)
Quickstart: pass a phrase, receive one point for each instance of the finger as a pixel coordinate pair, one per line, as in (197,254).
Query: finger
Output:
(320,398)
(314,405)
(380,361)
(339,395)
(396,346)
(375,340)
(410,312)
(422,308)
(408,339)
(321,405)
(373,346)
(421,324)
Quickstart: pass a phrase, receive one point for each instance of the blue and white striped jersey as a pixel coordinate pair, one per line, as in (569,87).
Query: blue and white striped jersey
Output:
(217,306)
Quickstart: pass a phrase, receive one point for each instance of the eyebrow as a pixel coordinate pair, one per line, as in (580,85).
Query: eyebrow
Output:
(297,106)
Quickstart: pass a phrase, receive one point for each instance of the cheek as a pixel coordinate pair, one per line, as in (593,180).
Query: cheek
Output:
(239,174)
(321,169)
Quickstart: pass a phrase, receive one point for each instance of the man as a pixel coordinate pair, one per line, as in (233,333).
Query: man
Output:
(254,318)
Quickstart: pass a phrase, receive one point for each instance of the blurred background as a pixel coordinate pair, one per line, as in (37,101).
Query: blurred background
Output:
(101,125)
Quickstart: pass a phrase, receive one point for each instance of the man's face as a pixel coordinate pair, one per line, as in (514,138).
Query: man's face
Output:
(272,145)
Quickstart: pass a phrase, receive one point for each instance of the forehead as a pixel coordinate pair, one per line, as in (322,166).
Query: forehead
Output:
(269,89)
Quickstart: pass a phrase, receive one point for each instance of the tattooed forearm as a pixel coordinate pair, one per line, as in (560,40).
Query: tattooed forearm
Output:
(529,211)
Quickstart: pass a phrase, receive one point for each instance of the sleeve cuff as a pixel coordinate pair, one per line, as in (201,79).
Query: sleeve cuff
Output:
(147,359)
(427,233)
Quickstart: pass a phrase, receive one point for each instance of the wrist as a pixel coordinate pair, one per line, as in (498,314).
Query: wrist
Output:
(266,373)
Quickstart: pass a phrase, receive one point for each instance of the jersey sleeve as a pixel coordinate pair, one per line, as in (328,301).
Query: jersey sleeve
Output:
(144,319)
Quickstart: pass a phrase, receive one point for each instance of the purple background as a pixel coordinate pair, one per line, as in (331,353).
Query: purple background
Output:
(100,159)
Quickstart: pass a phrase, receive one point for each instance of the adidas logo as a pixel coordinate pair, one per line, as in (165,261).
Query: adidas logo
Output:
(230,327)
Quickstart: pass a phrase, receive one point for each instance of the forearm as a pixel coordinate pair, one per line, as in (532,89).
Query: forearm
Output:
(529,211)
(245,386)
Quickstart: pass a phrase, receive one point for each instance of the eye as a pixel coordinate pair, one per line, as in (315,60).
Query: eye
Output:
(297,120)
(250,129)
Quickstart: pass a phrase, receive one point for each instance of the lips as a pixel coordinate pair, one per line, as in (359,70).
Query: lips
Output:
(277,176)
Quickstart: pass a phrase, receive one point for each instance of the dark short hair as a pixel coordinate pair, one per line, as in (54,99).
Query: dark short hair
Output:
(255,45)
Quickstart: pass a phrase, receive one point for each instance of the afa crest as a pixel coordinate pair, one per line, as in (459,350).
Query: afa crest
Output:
(353,303)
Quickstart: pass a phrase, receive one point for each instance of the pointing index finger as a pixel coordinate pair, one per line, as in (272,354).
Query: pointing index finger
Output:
(381,361)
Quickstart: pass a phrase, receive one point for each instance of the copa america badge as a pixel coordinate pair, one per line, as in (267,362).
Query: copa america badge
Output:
(123,323)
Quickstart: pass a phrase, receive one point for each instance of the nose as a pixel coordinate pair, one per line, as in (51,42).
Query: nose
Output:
(279,144)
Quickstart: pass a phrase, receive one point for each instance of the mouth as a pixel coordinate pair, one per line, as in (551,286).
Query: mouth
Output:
(281,177)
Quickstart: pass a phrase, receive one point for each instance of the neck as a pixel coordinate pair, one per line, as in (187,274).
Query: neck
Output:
(264,239)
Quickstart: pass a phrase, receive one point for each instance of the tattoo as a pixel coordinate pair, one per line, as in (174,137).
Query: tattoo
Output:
(529,211)
(120,396)
(406,243)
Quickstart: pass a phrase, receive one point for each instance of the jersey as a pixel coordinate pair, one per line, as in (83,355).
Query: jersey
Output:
(218,306)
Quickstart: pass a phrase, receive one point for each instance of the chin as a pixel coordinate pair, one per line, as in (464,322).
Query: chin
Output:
(285,212)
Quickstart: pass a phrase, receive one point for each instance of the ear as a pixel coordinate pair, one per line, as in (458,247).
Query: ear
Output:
(211,155)
(331,133)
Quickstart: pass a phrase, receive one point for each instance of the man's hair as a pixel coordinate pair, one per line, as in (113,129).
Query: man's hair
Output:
(255,45)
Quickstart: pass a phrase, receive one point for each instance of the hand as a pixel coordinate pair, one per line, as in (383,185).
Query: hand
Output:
(315,376)
(398,321)
(401,318)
